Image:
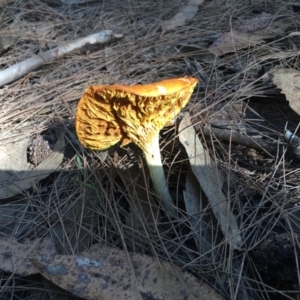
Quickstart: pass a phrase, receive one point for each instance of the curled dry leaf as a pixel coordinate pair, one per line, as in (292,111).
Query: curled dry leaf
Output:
(288,80)
(107,115)
(15,176)
(185,13)
(211,181)
(107,273)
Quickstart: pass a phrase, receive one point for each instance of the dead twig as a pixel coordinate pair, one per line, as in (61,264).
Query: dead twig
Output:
(234,137)
(18,70)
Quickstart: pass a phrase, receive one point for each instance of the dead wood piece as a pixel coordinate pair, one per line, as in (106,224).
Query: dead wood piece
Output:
(234,137)
(18,70)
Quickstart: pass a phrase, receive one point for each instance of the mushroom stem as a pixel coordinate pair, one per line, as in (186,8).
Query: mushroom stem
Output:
(153,159)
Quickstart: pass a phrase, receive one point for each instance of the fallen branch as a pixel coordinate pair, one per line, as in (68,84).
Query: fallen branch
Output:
(18,70)
(234,137)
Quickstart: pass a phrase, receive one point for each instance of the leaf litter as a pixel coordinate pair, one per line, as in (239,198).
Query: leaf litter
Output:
(102,272)
(288,80)
(236,112)
(211,181)
(16,175)
(250,33)
(184,14)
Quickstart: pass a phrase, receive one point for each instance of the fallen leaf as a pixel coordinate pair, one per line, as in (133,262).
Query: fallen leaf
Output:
(278,55)
(103,272)
(15,256)
(5,42)
(288,80)
(185,13)
(107,273)
(15,176)
(211,181)
(251,33)
(199,216)
(256,23)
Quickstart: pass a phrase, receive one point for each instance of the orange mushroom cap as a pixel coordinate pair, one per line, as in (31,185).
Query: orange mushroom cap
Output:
(113,113)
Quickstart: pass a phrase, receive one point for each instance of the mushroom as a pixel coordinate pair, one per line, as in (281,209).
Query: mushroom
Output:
(110,114)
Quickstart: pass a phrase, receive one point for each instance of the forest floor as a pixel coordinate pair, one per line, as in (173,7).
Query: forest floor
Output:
(56,193)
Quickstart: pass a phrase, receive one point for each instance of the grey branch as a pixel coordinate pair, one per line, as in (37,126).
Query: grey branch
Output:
(233,136)
(18,70)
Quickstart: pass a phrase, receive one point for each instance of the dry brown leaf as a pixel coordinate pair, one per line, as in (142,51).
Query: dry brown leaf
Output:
(6,40)
(278,55)
(184,14)
(109,274)
(103,272)
(211,181)
(15,176)
(14,256)
(252,32)
(256,23)
(199,216)
(13,161)
(288,80)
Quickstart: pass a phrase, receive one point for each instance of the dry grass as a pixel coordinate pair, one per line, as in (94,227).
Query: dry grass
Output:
(87,201)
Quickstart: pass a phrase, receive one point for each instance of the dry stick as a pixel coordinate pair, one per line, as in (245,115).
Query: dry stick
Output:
(229,135)
(18,70)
